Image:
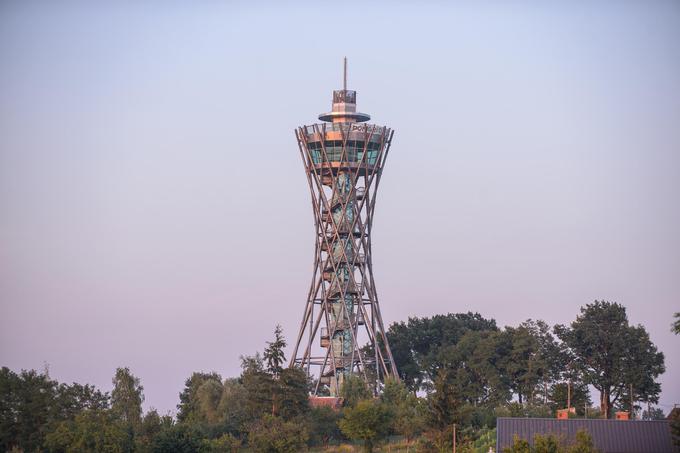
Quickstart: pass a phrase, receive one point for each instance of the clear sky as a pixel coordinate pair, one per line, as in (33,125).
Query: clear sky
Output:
(154,211)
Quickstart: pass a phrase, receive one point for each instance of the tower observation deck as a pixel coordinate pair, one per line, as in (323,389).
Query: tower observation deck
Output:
(342,331)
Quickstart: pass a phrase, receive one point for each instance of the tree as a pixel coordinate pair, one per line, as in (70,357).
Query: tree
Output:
(188,408)
(415,345)
(178,438)
(653,413)
(293,393)
(550,443)
(368,421)
(534,360)
(611,354)
(519,445)
(258,387)
(675,328)
(209,395)
(478,365)
(406,409)
(323,425)
(274,435)
(446,407)
(232,407)
(91,431)
(127,397)
(71,400)
(353,390)
(575,395)
(227,443)
(26,408)
(273,353)
(674,418)
(582,444)
(152,424)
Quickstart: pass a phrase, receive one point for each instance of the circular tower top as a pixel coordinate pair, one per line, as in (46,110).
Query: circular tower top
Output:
(344,106)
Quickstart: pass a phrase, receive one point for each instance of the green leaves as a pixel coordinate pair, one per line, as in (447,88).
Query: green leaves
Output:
(273,353)
(368,420)
(127,397)
(612,355)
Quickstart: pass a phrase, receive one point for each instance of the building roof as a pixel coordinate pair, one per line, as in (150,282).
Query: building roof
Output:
(326,401)
(609,436)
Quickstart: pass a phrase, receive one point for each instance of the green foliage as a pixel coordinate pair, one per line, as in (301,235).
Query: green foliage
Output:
(292,392)
(611,354)
(368,421)
(232,407)
(580,397)
(519,445)
(92,431)
(286,396)
(273,353)
(258,385)
(26,408)
(547,444)
(70,400)
(551,443)
(416,344)
(515,409)
(653,413)
(407,411)
(486,439)
(323,426)
(209,395)
(226,443)
(353,390)
(674,417)
(274,435)
(127,397)
(445,406)
(152,424)
(478,365)
(189,403)
(178,438)
(675,327)
(582,444)
(534,360)
(469,369)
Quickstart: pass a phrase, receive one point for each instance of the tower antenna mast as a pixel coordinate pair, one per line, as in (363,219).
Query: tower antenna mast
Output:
(344,79)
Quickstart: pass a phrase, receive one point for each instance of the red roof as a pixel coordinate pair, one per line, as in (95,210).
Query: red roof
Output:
(325,401)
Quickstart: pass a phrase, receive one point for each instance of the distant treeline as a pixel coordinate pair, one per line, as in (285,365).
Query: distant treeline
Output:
(455,369)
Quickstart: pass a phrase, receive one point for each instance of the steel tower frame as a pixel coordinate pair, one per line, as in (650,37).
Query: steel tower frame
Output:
(344,159)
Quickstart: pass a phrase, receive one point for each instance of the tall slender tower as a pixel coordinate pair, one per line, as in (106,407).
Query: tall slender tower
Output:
(342,331)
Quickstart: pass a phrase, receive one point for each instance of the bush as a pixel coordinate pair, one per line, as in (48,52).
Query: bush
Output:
(550,443)
(274,435)
(180,438)
(226,443)
(369,421)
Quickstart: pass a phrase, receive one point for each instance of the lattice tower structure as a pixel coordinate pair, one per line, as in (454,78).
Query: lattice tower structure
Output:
(342,330)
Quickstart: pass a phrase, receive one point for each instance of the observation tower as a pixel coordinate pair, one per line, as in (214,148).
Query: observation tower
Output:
(342,331)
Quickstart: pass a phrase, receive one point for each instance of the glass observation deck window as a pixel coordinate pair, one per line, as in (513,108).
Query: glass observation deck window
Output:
(334,151)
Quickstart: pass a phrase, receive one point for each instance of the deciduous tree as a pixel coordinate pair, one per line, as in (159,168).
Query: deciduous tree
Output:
(188,408)
(368,421)
(611,354)
(272,434)
(416,344)
(127,397)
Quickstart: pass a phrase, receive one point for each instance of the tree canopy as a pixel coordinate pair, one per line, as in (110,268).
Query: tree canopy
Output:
(612,355)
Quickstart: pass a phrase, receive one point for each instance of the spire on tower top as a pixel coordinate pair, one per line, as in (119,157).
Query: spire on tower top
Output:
(344,79)
(344,104)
